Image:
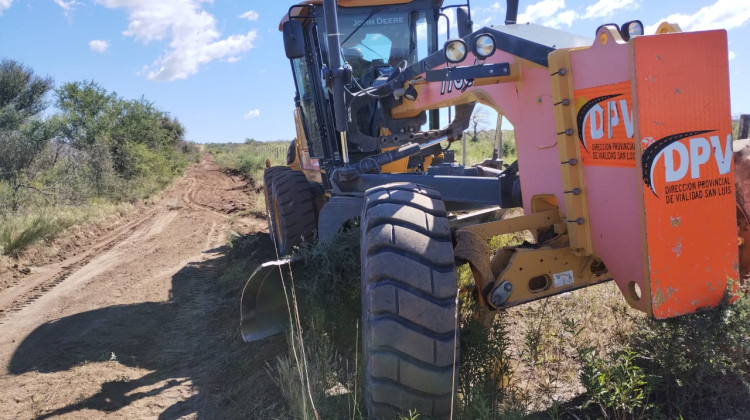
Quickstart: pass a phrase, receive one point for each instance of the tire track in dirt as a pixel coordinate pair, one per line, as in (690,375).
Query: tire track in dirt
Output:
(138,324)
(27,290)
(189,199)
(14,299)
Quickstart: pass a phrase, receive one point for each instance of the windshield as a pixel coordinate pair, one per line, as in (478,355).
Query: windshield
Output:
(377,40)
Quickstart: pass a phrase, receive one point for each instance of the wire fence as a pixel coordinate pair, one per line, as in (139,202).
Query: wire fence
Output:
(276,153)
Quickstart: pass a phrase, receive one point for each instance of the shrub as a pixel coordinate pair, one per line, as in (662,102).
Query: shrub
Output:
(485,378)
(617,384)
(699,364)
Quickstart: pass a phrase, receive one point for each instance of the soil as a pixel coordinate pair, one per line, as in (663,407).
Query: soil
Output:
(138,317)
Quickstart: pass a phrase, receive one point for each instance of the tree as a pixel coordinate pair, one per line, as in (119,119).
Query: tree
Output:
(23,134)
(140,123)
(21,92)
(478,118)
(89,113)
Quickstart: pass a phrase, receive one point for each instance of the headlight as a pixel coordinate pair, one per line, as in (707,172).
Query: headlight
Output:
(484,46)
(455,50)
(631,29)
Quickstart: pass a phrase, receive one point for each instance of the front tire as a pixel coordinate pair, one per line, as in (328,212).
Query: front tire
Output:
(409,307)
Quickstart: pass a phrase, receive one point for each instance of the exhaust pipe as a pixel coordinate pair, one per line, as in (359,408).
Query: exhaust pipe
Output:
(511,13)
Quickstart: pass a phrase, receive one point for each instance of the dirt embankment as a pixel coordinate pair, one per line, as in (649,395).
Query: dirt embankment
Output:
(141,320)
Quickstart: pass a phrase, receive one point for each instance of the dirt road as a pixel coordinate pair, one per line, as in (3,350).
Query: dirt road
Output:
(143,321)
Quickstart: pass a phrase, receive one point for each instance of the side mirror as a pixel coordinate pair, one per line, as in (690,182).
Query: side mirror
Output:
(464,24)
(294,41)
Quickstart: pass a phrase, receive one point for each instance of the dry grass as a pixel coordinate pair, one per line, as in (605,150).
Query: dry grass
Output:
(20,231)
(547,336)
(249,158)
(582,354)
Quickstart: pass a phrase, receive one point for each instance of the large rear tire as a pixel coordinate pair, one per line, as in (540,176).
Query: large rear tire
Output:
(293,209)
(410,336)
(742,194)
(268,175)
(291,153)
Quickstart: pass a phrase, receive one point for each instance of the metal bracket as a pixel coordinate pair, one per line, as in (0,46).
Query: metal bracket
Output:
(468,72)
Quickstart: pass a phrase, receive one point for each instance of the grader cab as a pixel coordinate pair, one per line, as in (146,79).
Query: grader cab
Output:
(625,172)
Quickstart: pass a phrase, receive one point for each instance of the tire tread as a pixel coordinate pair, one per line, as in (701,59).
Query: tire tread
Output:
(409,302)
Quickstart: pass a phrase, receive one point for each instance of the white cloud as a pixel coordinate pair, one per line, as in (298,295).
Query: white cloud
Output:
(253,113)
(606,8)
(98,45)
(732,55)
(194,39)
(541,10)
(442,29)
(451,16)
(250,15)
(494,14)
(724,14)
(67,6)
(567,17)
(548,13)
(5,4)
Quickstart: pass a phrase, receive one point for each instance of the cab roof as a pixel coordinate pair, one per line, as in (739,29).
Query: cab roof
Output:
(302,11)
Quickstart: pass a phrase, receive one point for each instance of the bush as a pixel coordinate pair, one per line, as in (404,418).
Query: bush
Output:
(97,146)
(485,377)
(699,364)
(617,384)
(692,366)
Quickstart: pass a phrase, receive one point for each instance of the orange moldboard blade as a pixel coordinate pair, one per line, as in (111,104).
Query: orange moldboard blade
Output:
(685,161)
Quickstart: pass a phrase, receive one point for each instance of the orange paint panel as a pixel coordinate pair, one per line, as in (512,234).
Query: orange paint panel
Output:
(685,162)
(605,125)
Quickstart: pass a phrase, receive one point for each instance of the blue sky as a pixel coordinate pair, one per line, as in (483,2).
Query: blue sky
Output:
(220,68)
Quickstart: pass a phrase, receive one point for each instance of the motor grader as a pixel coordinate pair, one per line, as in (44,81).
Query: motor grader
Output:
(625,172)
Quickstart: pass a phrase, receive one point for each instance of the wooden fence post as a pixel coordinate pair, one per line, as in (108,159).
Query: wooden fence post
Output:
(744,126)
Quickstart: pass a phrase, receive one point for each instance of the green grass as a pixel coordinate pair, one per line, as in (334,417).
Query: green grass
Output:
(249,158)
(698,365)
(477,151)
(19,232)
(584,354)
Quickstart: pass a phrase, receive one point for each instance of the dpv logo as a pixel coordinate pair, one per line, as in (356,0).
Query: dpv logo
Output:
(681,160)
(601,118)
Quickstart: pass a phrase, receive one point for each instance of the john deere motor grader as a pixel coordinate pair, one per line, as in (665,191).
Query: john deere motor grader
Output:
(625,172)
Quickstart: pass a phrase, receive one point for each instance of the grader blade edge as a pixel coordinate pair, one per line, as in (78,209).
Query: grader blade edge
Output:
(263,306)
